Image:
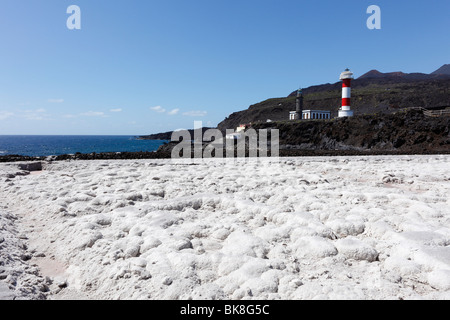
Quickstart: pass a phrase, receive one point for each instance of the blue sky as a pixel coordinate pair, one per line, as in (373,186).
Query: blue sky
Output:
(144,66)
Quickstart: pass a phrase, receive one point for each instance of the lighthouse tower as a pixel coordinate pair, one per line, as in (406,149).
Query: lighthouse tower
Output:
(346,78)
(298,113)
(299,104)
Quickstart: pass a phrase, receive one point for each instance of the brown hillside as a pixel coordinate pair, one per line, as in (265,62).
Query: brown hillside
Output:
(369,96)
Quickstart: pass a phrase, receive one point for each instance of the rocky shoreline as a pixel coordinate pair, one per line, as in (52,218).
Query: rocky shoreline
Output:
(167,155)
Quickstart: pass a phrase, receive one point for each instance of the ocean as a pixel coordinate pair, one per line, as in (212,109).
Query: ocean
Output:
(41,146)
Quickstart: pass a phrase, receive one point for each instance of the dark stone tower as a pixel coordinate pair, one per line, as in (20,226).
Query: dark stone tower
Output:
(299,104)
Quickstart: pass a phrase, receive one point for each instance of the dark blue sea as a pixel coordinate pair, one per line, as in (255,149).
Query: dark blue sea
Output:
(39,146)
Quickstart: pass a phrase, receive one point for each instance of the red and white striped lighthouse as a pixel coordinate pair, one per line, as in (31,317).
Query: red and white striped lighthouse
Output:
(345,110)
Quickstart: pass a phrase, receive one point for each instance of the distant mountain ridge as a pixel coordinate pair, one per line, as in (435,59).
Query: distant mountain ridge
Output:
(375,77)
(443,71)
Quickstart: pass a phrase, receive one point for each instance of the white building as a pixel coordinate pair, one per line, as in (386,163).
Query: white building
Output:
(316,114)
(310,115)
(234,136)
(241,128)
(293,115)
(238,134)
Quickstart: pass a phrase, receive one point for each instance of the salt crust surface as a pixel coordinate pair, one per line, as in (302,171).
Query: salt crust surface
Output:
(291,228)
